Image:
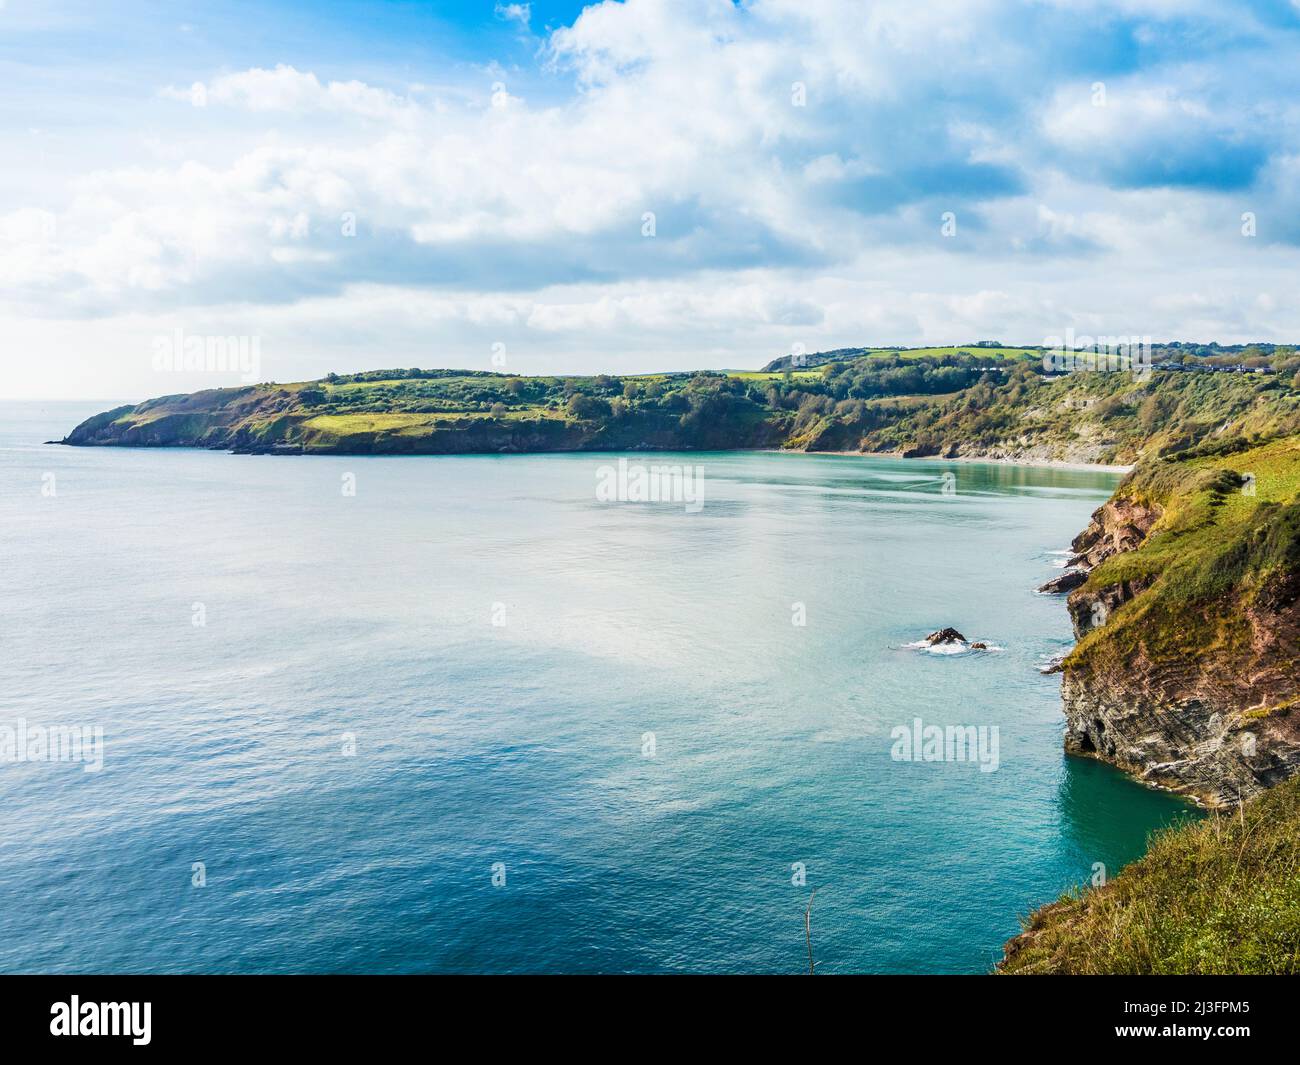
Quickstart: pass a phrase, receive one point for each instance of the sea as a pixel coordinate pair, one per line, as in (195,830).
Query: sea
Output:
(472,714)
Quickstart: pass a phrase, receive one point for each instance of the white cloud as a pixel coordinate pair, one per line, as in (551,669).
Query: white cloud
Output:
(290,90)
(519,13)
(493,199)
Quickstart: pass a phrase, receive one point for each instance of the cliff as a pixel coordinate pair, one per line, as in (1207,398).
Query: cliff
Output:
(1187,670)
(1187,675)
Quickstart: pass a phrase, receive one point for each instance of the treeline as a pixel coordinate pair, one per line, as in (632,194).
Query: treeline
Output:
(923,405)
(1280,358)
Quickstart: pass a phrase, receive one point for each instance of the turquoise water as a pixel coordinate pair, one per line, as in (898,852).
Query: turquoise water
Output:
(522,743)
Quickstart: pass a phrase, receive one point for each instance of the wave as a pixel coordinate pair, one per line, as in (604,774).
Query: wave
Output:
(954,648)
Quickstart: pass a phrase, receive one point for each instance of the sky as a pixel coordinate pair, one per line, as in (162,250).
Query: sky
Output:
(632,186)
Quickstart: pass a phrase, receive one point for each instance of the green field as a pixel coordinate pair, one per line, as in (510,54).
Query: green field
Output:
(777,375)
(991,354)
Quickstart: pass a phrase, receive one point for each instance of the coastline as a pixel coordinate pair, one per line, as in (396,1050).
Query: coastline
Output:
(999,460)
(298,449)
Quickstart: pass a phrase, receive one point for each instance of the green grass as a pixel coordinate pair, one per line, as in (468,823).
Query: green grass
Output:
(347,424)
(992,354)
(1221,896)
(340,426)
(1216,545)
(777,375)
(435,384)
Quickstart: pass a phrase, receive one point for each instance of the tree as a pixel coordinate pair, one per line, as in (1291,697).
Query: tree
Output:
(588,408)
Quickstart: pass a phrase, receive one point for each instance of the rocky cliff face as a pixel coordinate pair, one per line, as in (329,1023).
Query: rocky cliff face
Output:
(1186,671)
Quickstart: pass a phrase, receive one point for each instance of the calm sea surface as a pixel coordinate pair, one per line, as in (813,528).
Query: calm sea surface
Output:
(497,645)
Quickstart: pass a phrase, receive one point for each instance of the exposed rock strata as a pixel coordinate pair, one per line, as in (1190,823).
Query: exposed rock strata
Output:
(1066,582)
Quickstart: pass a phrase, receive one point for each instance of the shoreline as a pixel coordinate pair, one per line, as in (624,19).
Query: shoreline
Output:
(1056,464)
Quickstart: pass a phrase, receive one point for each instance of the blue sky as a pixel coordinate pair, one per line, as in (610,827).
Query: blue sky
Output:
(633,186)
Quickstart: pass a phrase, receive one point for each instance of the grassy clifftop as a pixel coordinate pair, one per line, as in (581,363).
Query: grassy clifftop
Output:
(1225,546)
(1218,896)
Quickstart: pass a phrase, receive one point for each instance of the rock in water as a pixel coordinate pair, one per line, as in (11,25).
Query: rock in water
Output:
(977,646)
(1066,582)
(945,636)
(1053,664)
